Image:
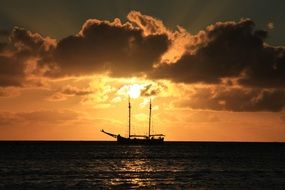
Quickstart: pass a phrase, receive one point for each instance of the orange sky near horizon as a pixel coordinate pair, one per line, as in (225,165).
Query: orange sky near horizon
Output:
(42,114)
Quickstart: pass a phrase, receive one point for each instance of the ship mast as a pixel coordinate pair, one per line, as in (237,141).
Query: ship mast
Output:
(149,121)
(129,117)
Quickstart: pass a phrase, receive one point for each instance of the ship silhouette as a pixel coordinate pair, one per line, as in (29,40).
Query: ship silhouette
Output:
(138,139)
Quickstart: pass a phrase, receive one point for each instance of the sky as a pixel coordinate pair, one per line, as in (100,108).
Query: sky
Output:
(214,70)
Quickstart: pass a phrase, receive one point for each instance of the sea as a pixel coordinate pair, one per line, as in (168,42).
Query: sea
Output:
(173,165)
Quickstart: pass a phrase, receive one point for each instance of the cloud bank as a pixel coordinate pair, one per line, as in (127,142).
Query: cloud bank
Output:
(235,52)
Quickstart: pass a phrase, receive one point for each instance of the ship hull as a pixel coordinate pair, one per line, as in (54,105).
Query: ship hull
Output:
(123,140)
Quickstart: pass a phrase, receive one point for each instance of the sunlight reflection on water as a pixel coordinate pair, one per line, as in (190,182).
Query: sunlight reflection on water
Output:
(139,170)
(134,172)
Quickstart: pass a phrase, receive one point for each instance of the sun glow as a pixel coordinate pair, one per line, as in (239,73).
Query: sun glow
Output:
(134,91)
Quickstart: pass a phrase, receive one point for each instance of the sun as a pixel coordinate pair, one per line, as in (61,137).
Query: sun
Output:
(134,91)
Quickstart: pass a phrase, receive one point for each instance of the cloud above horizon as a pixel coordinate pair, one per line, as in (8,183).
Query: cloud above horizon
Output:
(232,50)
(243,71)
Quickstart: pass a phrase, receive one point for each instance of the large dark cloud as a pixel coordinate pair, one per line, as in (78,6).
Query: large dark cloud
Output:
(235,99)
(21,54)
(224,50)
(102,46)
(230,50)
(268,70)
(119,49)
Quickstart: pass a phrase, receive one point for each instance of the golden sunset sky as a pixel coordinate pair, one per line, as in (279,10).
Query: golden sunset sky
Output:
(215,70)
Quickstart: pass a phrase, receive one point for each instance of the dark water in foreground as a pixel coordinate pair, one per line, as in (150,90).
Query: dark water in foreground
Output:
(173,165)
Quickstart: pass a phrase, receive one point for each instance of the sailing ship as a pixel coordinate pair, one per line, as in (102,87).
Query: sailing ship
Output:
(138,139)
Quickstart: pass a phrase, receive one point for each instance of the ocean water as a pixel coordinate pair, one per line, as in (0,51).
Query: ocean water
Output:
(173,165)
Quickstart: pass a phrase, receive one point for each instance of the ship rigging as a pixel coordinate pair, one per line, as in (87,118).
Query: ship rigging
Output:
(138,139)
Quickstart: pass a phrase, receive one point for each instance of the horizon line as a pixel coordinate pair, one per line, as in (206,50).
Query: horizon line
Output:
(106,141)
